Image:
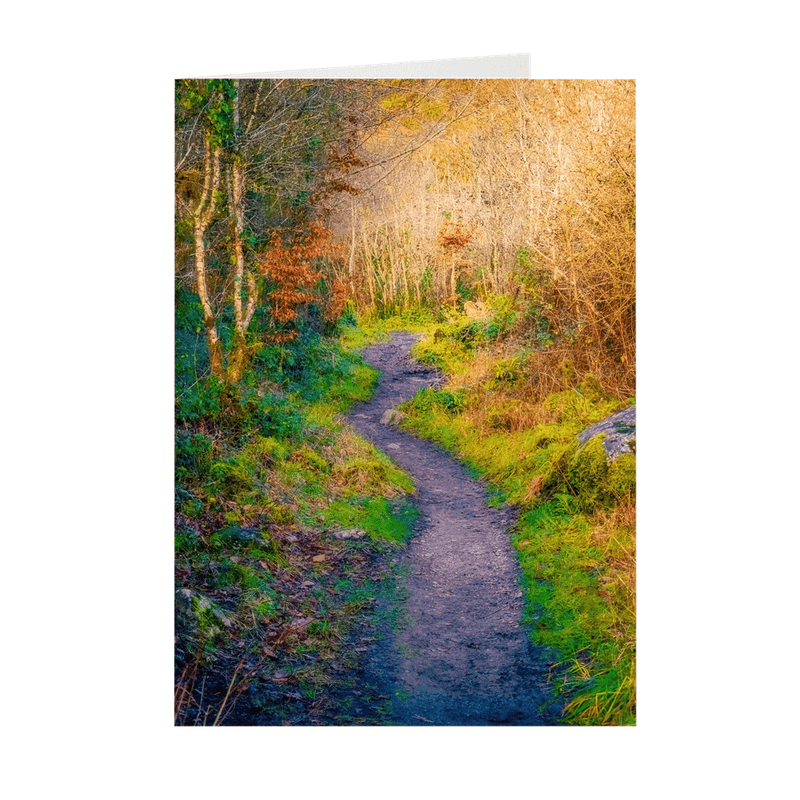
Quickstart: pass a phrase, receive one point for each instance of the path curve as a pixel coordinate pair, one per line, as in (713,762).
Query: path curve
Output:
(463,658)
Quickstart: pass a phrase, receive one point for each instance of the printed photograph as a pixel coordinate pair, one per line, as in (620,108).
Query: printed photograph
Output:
(405,402)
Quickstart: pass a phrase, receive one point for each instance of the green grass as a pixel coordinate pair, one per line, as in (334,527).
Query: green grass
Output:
(381,519)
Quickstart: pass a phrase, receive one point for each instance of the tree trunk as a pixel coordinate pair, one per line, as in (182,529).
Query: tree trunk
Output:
(241,316)
(202,215)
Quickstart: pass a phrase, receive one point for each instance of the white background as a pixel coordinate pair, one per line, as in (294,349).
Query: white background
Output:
(88,402)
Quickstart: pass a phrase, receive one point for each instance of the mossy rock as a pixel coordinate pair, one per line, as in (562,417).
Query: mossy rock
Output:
(198,619)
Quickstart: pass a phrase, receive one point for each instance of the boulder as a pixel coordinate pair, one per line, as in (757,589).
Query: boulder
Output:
(620,433)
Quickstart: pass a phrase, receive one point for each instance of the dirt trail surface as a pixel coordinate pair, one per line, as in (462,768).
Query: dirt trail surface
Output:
(462,658)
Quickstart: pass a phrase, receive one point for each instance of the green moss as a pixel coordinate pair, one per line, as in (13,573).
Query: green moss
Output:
(231,476)
(234,537)
(269,449)
(281,515)
(311,460)
(588,468)
(622,475)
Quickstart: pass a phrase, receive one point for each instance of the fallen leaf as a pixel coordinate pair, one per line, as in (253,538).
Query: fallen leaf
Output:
(318,559)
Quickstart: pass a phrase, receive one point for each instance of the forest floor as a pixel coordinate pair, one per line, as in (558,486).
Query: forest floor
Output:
(457,654)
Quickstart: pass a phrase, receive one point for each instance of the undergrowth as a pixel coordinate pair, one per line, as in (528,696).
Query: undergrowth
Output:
(512,415)
(285,522)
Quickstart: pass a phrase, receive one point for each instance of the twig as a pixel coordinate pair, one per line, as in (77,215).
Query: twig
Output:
(227,694)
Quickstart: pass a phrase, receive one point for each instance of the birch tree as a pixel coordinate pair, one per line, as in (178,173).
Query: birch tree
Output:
(256,159)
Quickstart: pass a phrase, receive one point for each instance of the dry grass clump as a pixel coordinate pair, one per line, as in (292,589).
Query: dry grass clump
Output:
(615,534)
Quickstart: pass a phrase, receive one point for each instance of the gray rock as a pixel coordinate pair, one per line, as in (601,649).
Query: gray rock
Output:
(392,417)
(198,616)
(620,431)
(351,533)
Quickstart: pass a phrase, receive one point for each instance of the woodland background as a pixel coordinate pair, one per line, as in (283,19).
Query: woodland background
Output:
(301,199)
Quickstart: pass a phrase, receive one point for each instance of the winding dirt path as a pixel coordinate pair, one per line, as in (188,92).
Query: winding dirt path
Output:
(463,658)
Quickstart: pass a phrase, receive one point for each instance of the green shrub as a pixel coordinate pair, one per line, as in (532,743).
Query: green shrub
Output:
(279,417)
(509,370)
(453,402)
(188,311)
(203,400)
(193,455)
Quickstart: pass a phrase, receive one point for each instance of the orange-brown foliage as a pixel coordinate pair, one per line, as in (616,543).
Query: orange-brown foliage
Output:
(336,301)
(294,268)
(452,238)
